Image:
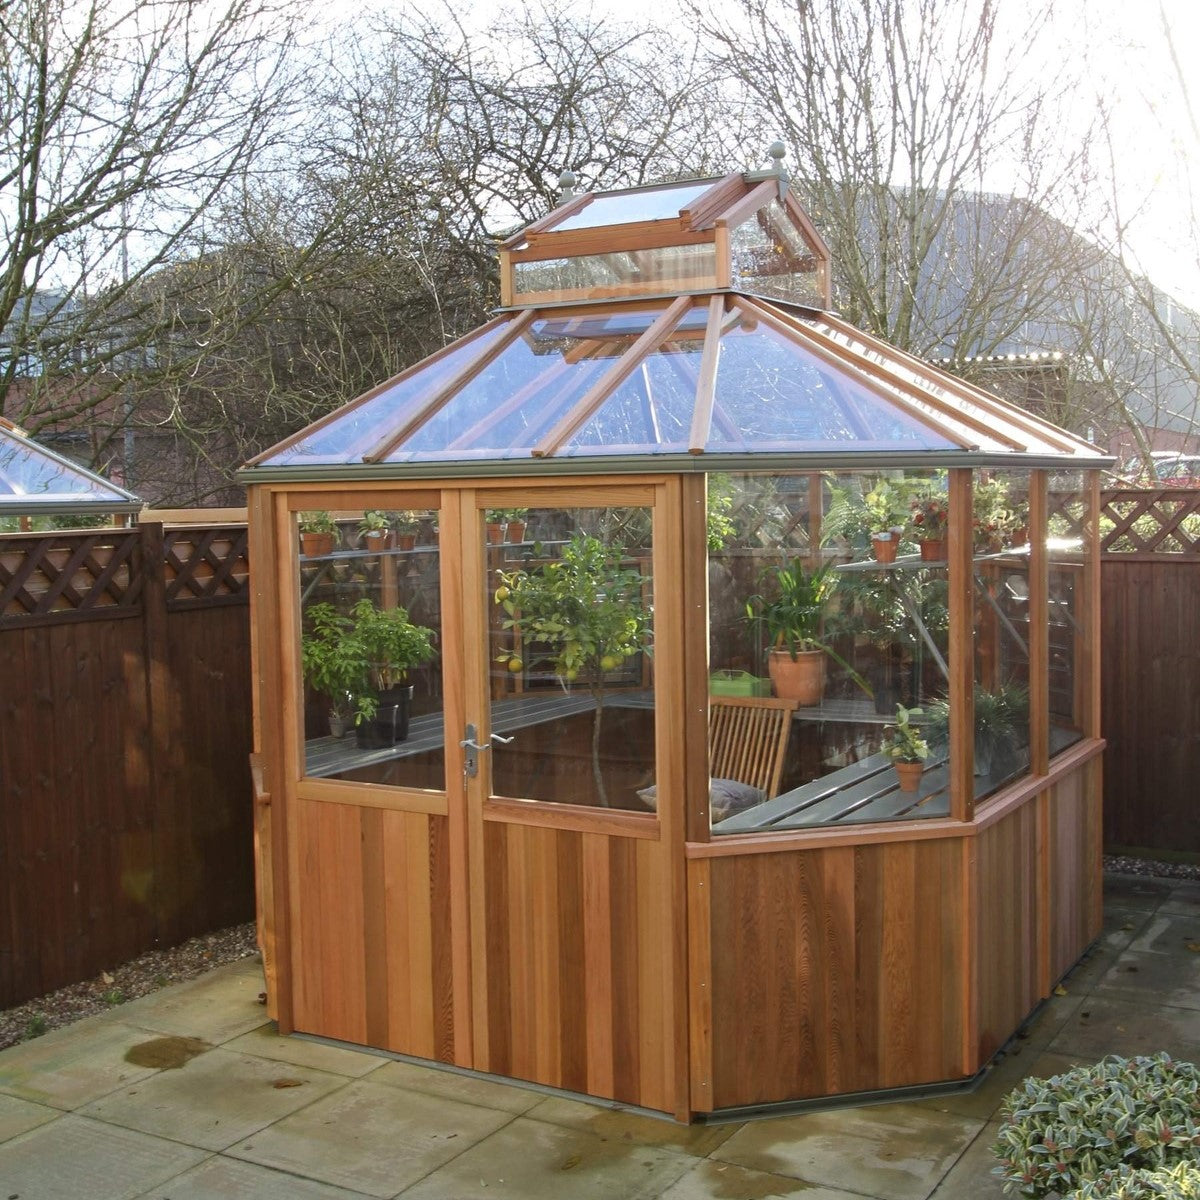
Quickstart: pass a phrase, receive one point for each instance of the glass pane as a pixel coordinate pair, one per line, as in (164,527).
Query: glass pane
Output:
(571,641)
(794,553)
(509,406)
(772,394)
(622,273)
(768,255)
(361,425)
(370,599)
(623,208)
(1001,622)
(29,477)
(1068,583)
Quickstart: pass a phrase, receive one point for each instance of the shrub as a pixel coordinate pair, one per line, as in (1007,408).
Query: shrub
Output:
(1180,1182)
(1120,1113)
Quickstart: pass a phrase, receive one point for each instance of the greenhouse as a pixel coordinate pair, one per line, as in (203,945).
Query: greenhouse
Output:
(672,694)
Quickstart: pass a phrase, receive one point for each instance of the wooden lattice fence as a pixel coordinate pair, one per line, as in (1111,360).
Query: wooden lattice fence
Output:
(125,726)
(1150,602)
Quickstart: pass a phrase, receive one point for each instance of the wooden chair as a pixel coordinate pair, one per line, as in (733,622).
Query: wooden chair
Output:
(748,738)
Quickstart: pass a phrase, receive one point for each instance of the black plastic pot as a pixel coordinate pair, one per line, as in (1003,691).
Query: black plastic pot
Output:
(390,723)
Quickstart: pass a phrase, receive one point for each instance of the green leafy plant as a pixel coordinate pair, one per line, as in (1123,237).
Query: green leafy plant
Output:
(792,615)
(1001,721)
(317,521)
(902,741)
(352,658)
(585,613)
(373,521)
(1120,1114)
(1180,1182)
(407,521)
(720,525)
(35,1026)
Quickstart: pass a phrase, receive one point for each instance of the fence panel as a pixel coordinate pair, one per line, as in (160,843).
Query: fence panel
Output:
(125,727)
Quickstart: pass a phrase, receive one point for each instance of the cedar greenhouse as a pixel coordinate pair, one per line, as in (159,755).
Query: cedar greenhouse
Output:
(537,793)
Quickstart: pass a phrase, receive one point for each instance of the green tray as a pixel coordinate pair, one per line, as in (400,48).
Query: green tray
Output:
(737,683)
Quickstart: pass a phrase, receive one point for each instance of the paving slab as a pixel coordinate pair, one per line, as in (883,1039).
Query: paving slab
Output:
(1135,891)
(20,1116)
(891,1151)
(618,1124)
(531,1160)
(371,1138)
(220,1178)
(971,1177)
(1168,933)
(73,1066)
(1000,1078)
(1107,1023)
(216,1099)
(215,1007)
(1184,900)
(267,1042)
(1154,979)
(76,1158)
(709,1180)
(453,1085)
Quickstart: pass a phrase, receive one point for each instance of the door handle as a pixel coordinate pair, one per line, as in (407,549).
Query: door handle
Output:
(474,749)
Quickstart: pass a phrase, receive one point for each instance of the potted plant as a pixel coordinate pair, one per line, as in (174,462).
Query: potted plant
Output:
(375,531)
(991,516)
(792,616)
(391,645)
(930,518)
(585,613)
(885,520)
(317,533)
(333,662)
(407,526)
(1001,725)
(494,520)
(517,519)
(908,750)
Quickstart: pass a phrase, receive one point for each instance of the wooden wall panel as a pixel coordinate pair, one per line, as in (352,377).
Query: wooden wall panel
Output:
(578,959)
(1074,852)
(1006,937)
(371,958)
(835,970)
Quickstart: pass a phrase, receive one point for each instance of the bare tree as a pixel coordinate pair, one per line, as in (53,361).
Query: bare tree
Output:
(901,116)
(122,123)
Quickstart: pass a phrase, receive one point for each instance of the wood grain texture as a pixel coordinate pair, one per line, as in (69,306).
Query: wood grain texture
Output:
(835,970)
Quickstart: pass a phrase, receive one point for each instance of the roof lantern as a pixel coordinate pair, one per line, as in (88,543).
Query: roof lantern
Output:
(689,321)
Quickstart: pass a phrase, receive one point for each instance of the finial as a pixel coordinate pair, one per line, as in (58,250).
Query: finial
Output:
(566,186)
(777,151)
(776,170)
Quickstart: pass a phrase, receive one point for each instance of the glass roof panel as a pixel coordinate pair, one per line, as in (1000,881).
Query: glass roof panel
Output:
(355,429)
(993,414)
(623,208)
(32,477)
(769,255)
(651,412)
(772,394)
(518,398)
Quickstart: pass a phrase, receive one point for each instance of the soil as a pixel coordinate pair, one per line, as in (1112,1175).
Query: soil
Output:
(147,973)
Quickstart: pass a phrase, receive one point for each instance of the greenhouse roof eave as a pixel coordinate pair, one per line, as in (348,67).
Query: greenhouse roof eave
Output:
(660,464)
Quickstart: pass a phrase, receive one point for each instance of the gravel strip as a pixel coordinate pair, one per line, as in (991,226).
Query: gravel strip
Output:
(147,973)
(159,968)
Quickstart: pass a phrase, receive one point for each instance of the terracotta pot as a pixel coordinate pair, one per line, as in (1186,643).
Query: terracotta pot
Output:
(884,547)
(1020,536)
(406,541)
(516,531)
(495,532)
(933,550)
(313,545)
(801,678)
(376,540)
(909,774)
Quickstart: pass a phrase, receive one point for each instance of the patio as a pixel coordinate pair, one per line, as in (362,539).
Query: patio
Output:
(241,1111)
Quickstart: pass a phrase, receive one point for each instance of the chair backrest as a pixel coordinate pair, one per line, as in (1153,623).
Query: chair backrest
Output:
(747,739)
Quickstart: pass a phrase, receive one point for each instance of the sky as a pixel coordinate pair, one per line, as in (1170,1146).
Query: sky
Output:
(1135,55)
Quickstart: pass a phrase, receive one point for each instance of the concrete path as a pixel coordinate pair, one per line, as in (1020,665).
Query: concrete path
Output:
(189,1094)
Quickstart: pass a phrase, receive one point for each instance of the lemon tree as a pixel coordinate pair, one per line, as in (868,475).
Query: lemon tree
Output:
(583,614)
